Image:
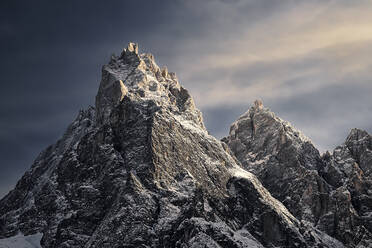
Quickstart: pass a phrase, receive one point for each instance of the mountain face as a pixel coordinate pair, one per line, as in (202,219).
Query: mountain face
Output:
(330,192)
(140,170)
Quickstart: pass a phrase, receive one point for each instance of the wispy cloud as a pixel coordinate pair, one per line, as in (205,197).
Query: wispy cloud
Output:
(323,40)
(313,55)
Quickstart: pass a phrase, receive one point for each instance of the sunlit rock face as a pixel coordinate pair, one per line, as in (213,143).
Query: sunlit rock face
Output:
(325,192)
(138,78)
(140,170)
(283,158)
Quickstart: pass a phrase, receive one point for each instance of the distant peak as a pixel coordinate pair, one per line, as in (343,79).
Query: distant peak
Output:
(356,134)
(263,132)
(357,131)
(258,104)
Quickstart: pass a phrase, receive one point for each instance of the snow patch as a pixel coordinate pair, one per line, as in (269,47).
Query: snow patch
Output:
(21,241)
(265,195)
(190,126)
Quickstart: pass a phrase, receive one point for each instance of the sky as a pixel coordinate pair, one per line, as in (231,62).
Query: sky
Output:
(308,60)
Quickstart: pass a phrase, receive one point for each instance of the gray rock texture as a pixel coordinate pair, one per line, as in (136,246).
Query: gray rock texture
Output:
(329,192)
(140,170)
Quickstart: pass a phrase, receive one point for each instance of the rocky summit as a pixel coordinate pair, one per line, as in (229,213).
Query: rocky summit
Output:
(331,192)
(140,170)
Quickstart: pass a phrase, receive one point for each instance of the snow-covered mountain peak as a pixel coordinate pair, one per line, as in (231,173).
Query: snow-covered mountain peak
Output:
(140,170)
(137,77)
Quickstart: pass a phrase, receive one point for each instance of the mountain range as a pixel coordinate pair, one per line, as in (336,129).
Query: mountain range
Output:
(139,169)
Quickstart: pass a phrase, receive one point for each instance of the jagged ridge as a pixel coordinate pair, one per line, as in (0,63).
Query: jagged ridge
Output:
(328,192)
(140,170)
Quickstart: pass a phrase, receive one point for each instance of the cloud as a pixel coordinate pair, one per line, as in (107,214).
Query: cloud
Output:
(304,58)
(285,78)
(325,115)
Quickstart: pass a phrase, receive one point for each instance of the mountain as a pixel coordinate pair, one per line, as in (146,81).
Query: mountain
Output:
(330,192)
(140,170)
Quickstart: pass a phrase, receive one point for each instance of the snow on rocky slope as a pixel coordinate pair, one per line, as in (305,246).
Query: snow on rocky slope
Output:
(329,192)
(140,170)
(21,241)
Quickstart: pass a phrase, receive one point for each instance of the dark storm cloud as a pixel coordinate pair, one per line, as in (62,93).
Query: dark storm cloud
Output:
(298,56)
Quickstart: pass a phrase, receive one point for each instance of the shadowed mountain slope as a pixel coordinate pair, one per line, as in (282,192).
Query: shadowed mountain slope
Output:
(140,170)
(329,192)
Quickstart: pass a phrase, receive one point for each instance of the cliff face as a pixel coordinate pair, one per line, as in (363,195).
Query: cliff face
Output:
(140,170)
(348,170)
(329,192)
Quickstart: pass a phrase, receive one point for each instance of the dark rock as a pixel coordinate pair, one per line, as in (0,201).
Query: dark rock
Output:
(140,170)
(329,192)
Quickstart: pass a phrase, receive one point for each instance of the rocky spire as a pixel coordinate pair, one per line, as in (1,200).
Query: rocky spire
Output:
(138,78)
(276,152)
(261,131)
(130,53)
(146,173)
(258,104)
(131,48)
(359,143)
(326,192)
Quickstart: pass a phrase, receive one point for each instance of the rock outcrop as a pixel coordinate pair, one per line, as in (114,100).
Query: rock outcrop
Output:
(140,170)
(322,191)
(348,170)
